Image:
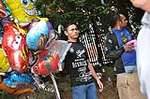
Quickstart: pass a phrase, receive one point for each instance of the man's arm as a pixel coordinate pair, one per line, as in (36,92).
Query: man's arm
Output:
(100,84)
(112,52)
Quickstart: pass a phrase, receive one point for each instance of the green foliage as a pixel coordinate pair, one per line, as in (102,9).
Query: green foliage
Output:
(84,12)
(63,11)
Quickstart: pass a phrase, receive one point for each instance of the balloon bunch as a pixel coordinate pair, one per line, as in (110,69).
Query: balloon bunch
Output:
(28,48)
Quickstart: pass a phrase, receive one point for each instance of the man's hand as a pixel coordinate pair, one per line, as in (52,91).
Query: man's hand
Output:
(128,47)
(100,84)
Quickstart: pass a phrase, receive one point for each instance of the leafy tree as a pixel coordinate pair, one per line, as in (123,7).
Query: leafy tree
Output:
(85,12)
(80,11)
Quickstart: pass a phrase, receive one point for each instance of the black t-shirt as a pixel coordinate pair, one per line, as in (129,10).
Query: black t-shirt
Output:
(77,66)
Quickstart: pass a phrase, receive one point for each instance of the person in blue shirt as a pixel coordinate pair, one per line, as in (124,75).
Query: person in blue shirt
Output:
(123,54)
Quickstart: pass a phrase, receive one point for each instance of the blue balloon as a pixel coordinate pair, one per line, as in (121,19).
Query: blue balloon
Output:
(14,78)
(41,28)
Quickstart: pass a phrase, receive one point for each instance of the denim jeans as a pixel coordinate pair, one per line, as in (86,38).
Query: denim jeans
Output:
(87,91)
(130,69)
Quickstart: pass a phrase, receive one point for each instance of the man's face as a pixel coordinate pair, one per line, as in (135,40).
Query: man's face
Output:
(72,31)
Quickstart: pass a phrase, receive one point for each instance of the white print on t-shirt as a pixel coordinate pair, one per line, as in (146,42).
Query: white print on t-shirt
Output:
(80,52)
(84,76)
(79,64)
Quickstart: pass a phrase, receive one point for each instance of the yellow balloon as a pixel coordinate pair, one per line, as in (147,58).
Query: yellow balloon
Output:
(4,64)
(22,10)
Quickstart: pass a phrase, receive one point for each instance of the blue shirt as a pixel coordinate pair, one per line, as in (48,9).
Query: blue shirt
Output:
(123,36)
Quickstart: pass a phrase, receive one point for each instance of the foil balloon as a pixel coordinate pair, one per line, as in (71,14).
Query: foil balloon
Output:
(18,80)
(4,65)
(60,47)
(54,61)
(51,62)
(4,10)
(36,57)
(22,10)
(44,67)
(40,30)
(1,33)
(14,44)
